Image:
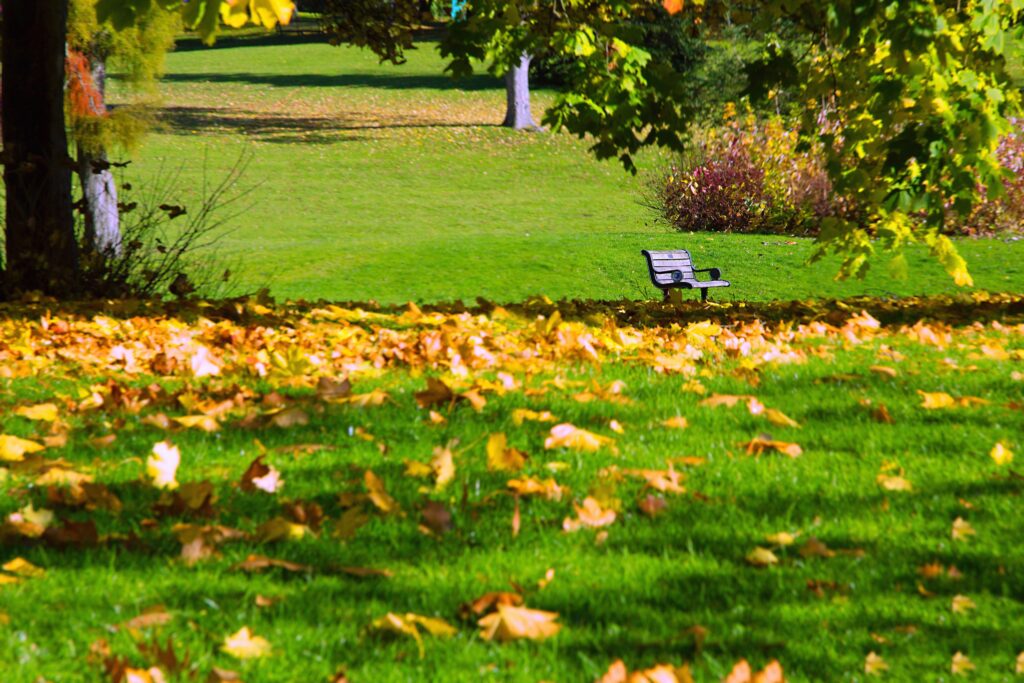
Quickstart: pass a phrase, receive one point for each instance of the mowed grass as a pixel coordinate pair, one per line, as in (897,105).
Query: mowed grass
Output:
(394,183)
(669,589)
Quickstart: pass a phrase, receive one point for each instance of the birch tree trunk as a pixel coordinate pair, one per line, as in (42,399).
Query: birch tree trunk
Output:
(102,220)
(517,92)
(41,252)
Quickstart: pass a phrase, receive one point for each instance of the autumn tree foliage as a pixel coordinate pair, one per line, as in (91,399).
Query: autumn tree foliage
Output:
(41,252)
(138,52)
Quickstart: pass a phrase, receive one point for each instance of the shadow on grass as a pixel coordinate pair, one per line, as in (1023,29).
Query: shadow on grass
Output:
(365,80)
(287,129)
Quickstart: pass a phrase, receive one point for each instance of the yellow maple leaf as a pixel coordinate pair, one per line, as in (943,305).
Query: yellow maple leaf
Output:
(162,465)
(244,645)
(531,486)
(962,604)
(936,400)
(514,623)
(203,422)
(13,448)
(677,422)
(22,567)
(410,624)
(31,522)
(961,665)
(590,515)
(378,495)
(566,435)
(520,415)
(761,557)
(501,458)
(780,419)
(1000,454)
(874,665)
(893,483)
(443,466)
(783,538)
(46,412)
(962,529)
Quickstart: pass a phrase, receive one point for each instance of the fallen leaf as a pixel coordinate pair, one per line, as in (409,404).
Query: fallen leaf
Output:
(328,389)
(962,604)
(760,444)
(1001,454)
(162,465)
(219,675)
(157,615)
(378,495)
(513,623)
(677,422)
(501,458)
(280,529)
(436,517)
(410,625)
(936,400)
(961,665)
(962,530)
(520,415)
(566,435)
(779,418)
(19,566)
(727,400)
(893,483)
(589,515)
(244,645)
(783,538)
(260,476)
(443,466)
(530,486)
(489,602)
(205,423)
(13,448)
(874,665)
(257,563)
(761,557)
(815,548)
(46,412)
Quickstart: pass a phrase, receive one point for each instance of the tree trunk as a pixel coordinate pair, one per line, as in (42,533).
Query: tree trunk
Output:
(41,253)
(517,91)
(99,191)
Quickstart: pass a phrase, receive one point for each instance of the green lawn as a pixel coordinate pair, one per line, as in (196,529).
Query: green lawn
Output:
(377,182)
(641,593)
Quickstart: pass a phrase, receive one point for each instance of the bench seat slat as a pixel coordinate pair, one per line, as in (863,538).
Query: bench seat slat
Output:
(664,264)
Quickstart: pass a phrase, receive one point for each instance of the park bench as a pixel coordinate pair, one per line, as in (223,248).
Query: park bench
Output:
(674,269)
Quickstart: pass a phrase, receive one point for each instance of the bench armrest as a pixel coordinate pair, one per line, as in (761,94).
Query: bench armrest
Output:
(715,272)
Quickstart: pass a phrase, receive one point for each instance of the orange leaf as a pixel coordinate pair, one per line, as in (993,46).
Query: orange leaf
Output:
(514,623)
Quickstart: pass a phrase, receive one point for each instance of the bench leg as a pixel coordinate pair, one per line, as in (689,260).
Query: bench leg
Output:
(665,295)
(703,294)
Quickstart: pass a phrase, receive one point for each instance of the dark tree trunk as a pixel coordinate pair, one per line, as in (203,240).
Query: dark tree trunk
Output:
(517,91)
(41,253)
(99,191)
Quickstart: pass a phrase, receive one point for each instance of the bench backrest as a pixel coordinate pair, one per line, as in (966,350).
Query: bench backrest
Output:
(663,264)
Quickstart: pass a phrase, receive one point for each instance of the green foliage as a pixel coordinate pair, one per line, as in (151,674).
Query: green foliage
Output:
(410,149)
(909,100)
